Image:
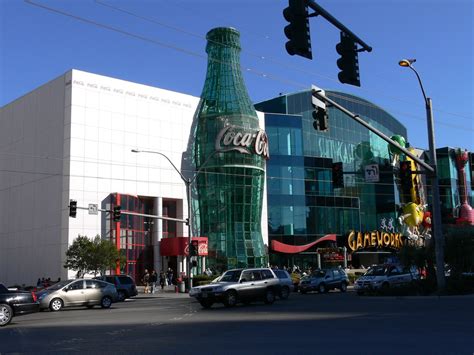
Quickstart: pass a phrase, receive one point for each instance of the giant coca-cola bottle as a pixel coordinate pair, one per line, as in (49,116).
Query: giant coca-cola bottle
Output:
(229,155)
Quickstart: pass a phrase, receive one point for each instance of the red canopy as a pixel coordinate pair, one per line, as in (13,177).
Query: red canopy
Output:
(294,249)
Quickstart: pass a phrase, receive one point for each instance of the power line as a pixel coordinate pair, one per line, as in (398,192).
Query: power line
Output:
(250,70)
(259,56)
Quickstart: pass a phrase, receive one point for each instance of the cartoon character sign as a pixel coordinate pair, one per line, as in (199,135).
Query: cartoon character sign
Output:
(416,221)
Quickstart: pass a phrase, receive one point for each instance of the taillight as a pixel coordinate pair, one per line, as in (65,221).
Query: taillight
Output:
(35,298)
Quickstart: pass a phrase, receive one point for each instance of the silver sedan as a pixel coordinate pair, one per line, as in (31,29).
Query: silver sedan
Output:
(76,293)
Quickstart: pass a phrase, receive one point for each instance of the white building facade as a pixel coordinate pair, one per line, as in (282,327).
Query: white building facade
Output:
(72,139)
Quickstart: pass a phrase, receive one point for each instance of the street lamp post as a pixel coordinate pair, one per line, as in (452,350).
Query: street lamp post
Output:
(187,183)
(437,232)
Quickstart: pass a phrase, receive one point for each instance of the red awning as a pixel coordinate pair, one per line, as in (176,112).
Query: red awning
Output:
(295,249)
(179,246)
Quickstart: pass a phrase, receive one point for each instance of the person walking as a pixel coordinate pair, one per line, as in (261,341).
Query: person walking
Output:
(170,276)
(162,280)
(146,280)
(153,280)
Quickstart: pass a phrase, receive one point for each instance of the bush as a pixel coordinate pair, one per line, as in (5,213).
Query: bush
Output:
(203,279)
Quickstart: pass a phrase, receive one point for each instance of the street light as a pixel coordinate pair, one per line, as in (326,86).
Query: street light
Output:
(187,182)
(437,233)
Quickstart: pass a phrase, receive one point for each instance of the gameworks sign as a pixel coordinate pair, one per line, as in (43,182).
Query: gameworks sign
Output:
(375,239)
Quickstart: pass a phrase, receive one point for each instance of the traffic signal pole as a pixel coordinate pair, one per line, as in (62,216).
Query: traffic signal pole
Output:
(320,11)
(356,118)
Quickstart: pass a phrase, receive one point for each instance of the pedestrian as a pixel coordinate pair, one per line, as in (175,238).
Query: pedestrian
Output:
(146,280)
(169,275)
(162,280)
(153,279)
(38,283)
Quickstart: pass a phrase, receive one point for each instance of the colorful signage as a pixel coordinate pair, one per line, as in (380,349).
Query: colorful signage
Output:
(374,239)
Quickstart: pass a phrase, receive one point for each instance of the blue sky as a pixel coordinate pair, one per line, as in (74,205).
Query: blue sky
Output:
(162,43)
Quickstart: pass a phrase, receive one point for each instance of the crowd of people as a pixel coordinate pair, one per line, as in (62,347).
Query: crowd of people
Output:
(152,280)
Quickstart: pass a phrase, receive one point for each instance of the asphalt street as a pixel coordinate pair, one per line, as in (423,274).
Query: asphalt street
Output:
(332,323)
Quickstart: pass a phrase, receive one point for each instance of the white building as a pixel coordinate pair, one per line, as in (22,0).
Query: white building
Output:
(71,139)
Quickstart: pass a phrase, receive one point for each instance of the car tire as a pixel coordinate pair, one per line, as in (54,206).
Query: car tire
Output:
(6,314)
(322,288)
(343,287)
(206,304)
(284,293)
(90,306)
(56,304)
(303,292)
(360,293)
(385,288)
(230,298)
(269,296)
(122,296)
(106,302)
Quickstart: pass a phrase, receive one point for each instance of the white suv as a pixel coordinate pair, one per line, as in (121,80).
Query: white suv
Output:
(239,285)
(384,277)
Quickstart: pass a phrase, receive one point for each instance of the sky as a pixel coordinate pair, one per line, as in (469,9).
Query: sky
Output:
(162,43)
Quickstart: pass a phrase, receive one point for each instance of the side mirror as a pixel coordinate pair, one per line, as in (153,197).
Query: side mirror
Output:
(243,280)
(65,289)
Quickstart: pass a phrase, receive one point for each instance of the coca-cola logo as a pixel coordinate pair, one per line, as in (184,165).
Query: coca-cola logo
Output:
(247,142)
(202,249)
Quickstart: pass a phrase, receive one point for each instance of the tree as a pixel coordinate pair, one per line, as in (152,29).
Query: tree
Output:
(92,256)
(77,255)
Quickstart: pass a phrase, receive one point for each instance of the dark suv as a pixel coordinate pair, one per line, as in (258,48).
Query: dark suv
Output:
(323,280)
(125,285)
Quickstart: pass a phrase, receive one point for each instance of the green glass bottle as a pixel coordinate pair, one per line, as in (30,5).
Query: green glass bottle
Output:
(229,152)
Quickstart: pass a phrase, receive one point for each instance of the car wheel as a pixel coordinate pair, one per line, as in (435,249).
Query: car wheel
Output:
(230,299)
(269,296)
(360,293)
(322,288)
(121,296)
(285,293)
(206,304)
(90,306)
(106,302)
(385,288)
(343,287)
(56,304)
(303,292)
(6,314)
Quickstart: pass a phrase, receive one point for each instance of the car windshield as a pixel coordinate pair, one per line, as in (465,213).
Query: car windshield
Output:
(231,276)
(58,285)
(376,271)
(318,273)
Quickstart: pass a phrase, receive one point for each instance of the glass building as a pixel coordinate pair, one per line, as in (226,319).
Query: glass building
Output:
(302,203)
(449,183)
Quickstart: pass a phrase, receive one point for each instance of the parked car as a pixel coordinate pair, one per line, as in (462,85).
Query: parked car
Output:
(384,277)
(323,280)
(80,292)
(125,285)
(286,283)
(239,285)
(15,303)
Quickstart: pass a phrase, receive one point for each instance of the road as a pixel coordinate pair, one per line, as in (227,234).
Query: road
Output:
(333,323)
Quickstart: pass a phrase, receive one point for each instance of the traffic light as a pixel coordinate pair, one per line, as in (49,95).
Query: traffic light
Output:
(117,213)
(349,61)
(319,114)
(405,176)
(193,248)
(72,208)
(337,175)
(297,30)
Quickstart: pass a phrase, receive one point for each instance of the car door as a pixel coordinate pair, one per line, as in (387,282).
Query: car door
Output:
(246,285)
(74,294)
(92,292)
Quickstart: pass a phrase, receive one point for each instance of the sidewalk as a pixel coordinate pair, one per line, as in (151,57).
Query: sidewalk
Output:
(167,292)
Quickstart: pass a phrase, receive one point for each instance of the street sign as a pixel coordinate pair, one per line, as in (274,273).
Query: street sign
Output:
(93,208)
(372,173)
